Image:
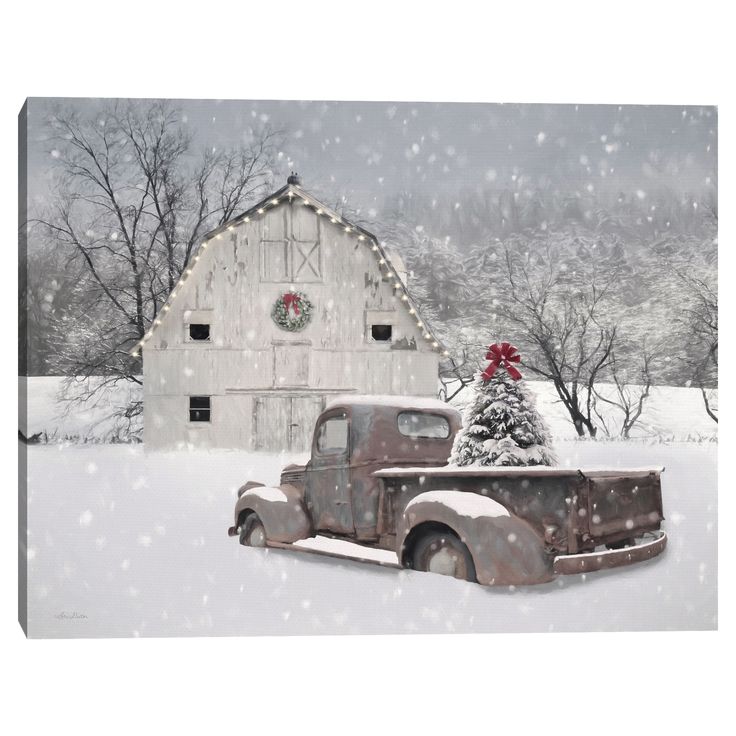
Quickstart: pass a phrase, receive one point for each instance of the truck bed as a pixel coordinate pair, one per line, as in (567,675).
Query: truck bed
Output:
(573,509)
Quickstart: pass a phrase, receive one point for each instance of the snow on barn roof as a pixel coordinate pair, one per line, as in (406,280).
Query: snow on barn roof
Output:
(292,192)
(398,402)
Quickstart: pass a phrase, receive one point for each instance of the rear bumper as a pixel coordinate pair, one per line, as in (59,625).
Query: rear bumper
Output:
(592,561)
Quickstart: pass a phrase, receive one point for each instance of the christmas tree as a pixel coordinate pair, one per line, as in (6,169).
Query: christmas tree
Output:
(501,425)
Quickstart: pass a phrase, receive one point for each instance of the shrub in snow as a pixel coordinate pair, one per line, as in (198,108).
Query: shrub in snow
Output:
(501,426)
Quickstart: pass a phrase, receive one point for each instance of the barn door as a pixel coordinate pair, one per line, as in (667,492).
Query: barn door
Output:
(290,364)
(285,423)
(272,419)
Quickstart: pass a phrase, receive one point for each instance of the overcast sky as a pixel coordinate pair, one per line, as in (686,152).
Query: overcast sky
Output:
(369,150)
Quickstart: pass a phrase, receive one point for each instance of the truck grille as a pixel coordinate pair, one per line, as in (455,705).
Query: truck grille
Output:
(292,476)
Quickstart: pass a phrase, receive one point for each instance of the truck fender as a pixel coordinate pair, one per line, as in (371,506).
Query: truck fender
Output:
(506,550)
(281,509)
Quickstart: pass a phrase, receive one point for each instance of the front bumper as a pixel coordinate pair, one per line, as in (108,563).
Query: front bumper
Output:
(592,561)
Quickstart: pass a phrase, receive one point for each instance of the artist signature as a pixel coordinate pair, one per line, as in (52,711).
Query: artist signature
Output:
(70,615)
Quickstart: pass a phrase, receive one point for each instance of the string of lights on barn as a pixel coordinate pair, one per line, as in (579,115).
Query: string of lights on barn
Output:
(299,196)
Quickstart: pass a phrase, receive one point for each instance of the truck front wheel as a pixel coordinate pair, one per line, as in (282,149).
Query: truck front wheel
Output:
(442,552)
(252,531)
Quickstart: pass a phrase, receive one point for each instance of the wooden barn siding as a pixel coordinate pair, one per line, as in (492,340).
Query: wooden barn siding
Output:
(243,354)
(195,371)
(167,427)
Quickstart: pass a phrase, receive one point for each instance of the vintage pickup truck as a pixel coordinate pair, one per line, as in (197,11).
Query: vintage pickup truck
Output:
(378,476)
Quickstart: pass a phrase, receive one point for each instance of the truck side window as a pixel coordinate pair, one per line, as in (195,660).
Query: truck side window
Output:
(332,436)
(419,424)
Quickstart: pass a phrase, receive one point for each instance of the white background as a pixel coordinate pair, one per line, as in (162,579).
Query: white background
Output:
(624,52)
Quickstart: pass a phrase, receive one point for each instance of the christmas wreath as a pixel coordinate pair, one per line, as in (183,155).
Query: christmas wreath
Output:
(292,311)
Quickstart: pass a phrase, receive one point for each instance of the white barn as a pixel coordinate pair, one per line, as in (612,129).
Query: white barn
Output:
(279,310)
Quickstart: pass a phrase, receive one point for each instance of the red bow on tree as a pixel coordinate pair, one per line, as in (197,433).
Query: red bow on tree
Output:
(291,300)
(504,354)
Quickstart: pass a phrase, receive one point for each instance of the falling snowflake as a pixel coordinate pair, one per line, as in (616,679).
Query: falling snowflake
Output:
(86,518)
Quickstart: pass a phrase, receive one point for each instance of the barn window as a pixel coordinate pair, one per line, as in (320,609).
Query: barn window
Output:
(275,260)
(200,409)
(381,333)
(199,332)
(291,261)
(306,261)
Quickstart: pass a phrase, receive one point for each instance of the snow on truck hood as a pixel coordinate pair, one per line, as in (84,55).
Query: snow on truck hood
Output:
(275,495)
(529,471)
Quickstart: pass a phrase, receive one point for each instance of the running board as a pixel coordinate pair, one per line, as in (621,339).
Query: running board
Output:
(337,555)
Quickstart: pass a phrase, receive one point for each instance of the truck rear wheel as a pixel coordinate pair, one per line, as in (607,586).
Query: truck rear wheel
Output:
(252,531)
(442,552)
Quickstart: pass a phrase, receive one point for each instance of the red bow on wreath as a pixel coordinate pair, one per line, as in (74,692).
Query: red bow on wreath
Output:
(291,300)
(504,354)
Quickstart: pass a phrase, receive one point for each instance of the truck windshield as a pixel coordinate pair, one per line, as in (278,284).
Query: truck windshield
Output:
(418,424)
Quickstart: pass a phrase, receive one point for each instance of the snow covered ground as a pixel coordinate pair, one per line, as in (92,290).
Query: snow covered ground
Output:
(56,420)
(122,542)
(671,413)
(125,543)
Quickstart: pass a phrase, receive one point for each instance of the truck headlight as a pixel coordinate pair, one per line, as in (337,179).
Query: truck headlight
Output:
(550,533)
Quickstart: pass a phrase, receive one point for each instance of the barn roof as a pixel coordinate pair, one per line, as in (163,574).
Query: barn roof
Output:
(293,192)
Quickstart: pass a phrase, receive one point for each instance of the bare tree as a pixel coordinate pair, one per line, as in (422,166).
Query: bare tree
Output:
(558,320)
(629,398)
(701,331)
(455,376)
(132,200)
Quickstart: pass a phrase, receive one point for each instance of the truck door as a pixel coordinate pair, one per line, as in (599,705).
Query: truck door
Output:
(328,475)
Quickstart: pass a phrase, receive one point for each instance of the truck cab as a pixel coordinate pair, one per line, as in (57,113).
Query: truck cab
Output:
(356,436)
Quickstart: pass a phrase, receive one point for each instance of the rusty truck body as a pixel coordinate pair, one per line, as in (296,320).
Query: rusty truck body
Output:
(378,476)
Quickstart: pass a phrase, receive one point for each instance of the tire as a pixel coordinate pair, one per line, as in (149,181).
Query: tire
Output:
(252,531)
(628,542)
(442,552)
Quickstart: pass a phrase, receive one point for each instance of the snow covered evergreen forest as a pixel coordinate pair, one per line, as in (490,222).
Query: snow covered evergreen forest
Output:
(593,250)
(654,263)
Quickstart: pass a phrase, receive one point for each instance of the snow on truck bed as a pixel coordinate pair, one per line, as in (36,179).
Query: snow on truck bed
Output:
(528,471)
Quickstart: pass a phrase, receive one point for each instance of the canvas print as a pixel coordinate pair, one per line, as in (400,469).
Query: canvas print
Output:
(313,367)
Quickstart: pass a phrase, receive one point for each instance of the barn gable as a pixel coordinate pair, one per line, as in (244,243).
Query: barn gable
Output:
(295,257)
(222,369)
